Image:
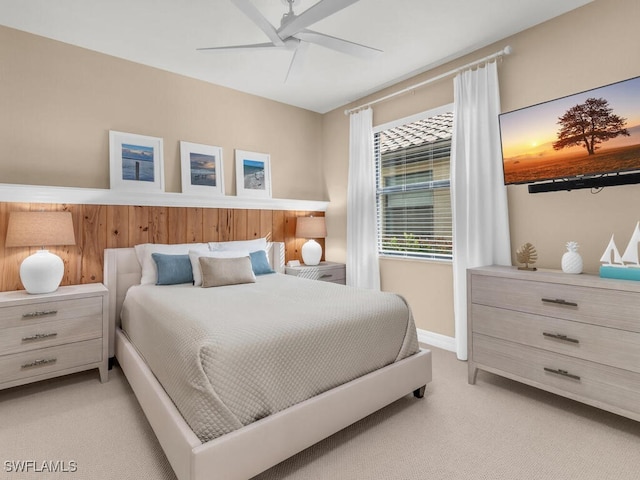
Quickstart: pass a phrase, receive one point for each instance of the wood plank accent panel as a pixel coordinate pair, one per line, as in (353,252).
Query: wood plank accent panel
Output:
(115,226)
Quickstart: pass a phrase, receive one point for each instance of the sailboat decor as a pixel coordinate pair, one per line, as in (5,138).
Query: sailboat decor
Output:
(625,266)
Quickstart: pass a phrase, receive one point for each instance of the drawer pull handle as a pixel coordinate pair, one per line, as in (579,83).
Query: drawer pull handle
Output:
(39,336)
(39,363)
(563,373)
(559,301)
(43,313)
(559,336)
(326,275)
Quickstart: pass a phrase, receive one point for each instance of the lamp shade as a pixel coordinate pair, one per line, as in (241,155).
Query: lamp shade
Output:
(41,272)
(311,227)
(40,229)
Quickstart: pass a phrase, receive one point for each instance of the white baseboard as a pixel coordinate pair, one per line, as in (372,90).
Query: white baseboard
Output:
(437,340)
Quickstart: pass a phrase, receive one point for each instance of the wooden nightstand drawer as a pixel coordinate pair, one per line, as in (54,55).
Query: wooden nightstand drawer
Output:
(52,334)
(330,274)
(46,360)
(325,272)
(43,312)
(48,334)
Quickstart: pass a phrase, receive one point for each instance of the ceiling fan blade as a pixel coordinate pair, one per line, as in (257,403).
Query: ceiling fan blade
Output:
(338,44)
(254,14)
(297,62)
(314,14)
(254,46)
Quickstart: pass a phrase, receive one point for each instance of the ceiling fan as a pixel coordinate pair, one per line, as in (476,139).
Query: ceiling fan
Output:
(293,33)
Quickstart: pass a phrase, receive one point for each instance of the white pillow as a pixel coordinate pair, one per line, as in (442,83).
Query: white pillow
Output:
(194,255)
(149,268)
(244,245)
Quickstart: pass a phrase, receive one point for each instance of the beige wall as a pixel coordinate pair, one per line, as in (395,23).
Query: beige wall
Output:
(589,47)
(58,103)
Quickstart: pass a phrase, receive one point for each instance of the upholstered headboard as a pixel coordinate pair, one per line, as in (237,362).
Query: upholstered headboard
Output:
(122,270)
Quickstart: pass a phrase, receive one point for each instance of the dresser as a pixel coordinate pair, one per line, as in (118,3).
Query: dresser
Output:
(573,335)
(325,271)
(44,336)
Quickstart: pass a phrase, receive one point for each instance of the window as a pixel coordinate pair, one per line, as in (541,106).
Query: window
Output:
(413,186)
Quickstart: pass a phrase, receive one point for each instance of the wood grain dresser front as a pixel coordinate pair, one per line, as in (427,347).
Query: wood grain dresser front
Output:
(573,335)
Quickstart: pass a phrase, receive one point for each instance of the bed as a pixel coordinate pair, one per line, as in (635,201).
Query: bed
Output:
(245,450)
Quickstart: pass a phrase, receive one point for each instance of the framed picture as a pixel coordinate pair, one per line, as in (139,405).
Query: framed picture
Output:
(136,162)
(253,174)
(201,166)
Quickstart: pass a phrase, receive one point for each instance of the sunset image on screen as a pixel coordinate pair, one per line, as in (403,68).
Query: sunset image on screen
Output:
(589,133)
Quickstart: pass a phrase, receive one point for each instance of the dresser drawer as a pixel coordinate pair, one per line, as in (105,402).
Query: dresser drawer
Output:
(615,308)
(40,312)
(609,346)
(52,359)
(50,333)
(589,382)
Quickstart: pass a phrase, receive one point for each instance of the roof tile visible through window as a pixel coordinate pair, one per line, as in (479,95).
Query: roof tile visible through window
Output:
(416,133)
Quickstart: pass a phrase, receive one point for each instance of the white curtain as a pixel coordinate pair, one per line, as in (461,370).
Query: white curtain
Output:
(478,194)
(362,252)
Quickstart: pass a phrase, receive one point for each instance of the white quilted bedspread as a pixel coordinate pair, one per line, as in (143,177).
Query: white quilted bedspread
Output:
(228,356)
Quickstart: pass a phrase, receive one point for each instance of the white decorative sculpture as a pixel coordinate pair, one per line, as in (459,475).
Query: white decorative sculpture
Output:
(630,254)
(611,251)
(625,266)
(571,260)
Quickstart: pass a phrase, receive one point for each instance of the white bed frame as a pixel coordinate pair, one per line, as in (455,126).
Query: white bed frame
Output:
(246,452)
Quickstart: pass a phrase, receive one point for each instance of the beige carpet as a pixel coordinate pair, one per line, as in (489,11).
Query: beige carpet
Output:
(497,429)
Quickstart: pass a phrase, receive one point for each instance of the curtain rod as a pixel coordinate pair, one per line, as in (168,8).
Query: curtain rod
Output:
(505,51)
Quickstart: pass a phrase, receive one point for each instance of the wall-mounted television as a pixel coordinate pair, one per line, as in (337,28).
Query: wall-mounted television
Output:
(588,139)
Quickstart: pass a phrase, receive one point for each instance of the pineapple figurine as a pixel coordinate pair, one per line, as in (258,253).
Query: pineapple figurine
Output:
(571,260)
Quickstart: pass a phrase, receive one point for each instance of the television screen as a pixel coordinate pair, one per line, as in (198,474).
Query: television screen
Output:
(586,134)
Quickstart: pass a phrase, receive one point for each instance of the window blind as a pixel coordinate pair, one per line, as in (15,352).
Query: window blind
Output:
(413,188)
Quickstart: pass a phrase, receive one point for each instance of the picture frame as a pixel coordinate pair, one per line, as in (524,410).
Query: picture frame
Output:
(202,169)
(136,162)
(253,174)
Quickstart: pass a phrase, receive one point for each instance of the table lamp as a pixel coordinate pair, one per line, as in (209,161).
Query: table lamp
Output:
(311,228)
(41,272)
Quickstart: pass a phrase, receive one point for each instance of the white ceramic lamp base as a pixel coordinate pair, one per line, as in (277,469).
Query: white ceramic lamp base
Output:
(41,272)
(311,253)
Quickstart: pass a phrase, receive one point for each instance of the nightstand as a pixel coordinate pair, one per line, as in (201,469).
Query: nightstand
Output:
(53,334)
(325,272)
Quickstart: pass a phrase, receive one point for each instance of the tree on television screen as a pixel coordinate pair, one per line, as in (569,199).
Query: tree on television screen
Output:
(588,125)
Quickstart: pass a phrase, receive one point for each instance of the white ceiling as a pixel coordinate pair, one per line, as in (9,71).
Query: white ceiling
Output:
(415,35)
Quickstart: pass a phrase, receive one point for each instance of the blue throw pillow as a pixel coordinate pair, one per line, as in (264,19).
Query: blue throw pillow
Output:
(260,263)
(173,269)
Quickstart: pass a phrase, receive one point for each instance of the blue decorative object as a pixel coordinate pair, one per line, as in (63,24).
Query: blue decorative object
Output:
(622,273)
(260,263)
(173,269)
